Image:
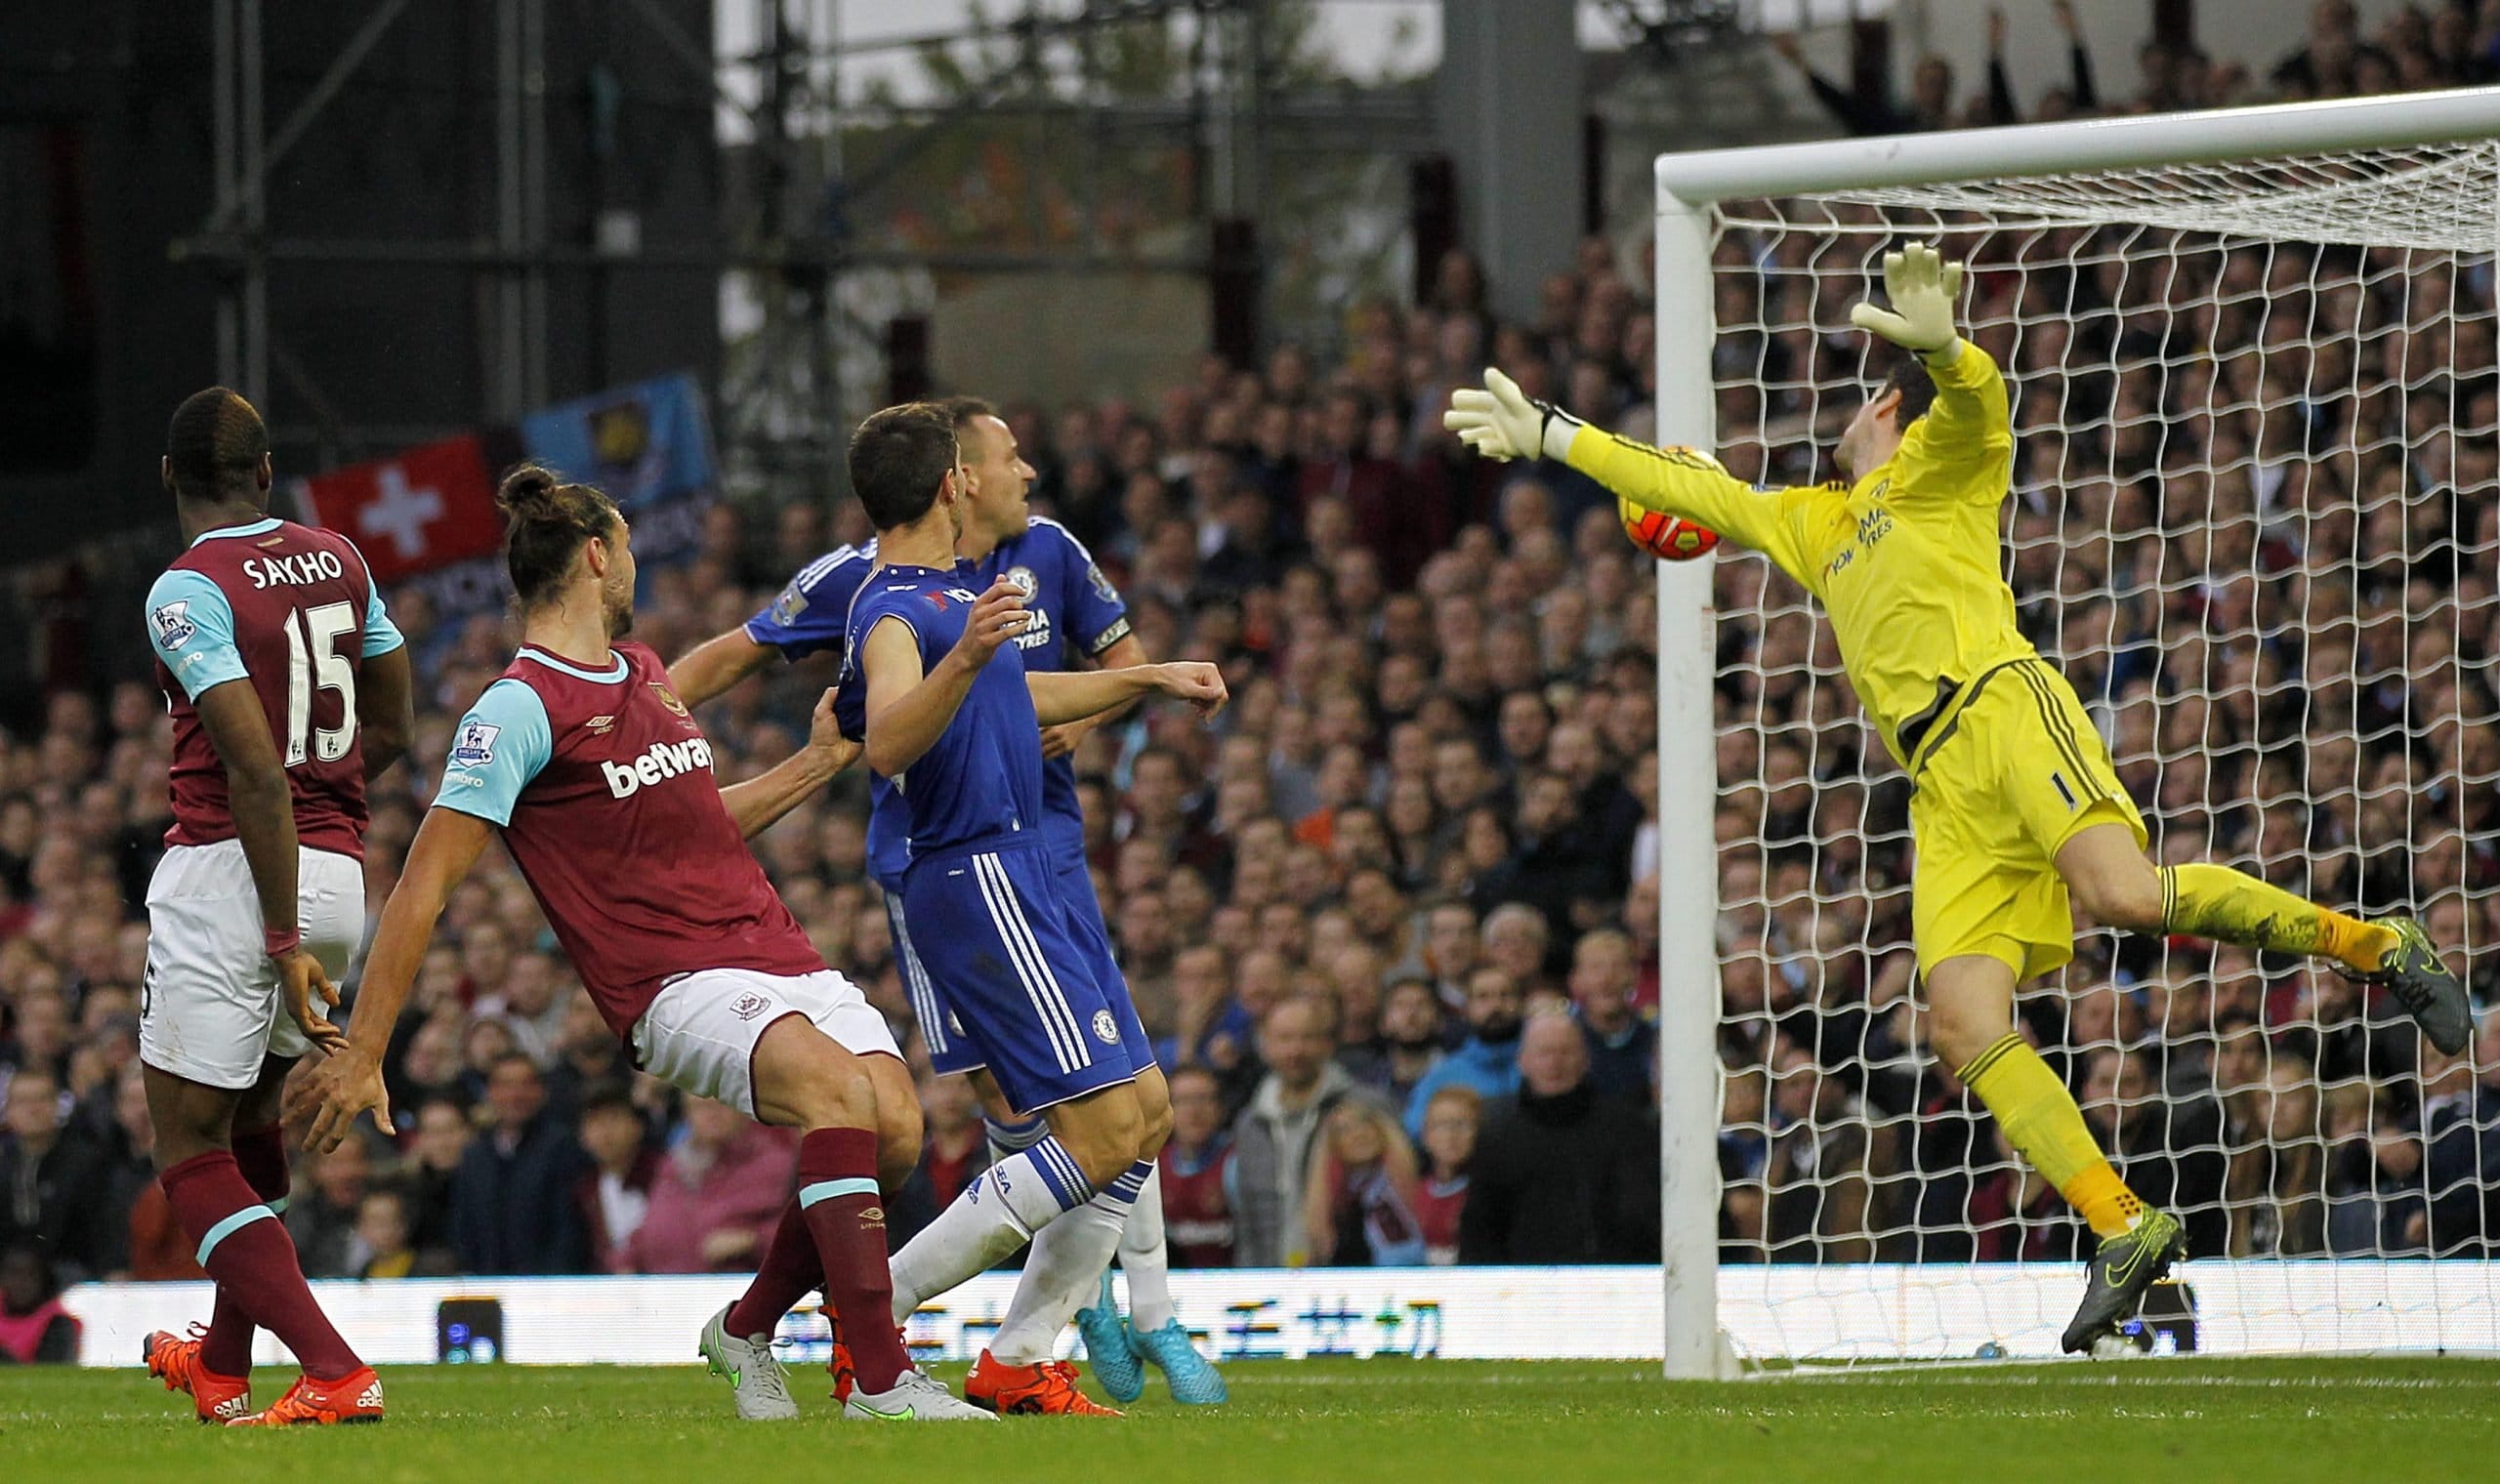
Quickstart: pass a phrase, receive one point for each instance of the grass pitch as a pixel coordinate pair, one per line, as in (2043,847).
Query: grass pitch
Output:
(1371,1421)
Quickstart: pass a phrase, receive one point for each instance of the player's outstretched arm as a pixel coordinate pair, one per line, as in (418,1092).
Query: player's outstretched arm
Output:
(1500,422)
(761,802)
(1970,416)
(1074,696)
(717,664)
(1125,654)
(386,711)
(348,1082)
(907,710)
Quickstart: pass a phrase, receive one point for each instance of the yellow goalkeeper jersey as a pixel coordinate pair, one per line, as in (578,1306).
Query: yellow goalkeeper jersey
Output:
(1905,560)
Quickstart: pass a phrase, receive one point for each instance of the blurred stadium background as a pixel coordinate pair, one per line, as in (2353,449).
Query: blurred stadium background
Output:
(1220,262)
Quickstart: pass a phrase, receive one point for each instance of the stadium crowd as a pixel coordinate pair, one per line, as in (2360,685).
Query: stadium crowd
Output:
(1392,919)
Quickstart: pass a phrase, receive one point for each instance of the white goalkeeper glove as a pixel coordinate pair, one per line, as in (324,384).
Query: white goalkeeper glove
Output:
(1922,287)
(1500,422)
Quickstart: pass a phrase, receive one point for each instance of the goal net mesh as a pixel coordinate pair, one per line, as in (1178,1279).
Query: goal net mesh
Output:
(2255,520)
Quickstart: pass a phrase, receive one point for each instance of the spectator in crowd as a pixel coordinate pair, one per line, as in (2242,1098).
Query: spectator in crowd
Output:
(1821,1178)
(958,1147)
(717,1198)
(1561,1171)
(1440,1193)
(34,1328)
(53,1182)
(2277,1186)
(2382,1207)
(435,1154)
(1197,1174)
(2461,1153)
(513,1205)
(129,1144)
(1930,104)
(529,1008)
(2079,95)
(1623,1048)
(587,1059)
(615,1192)
(1487,1062)
(2169,1152)
(323,1212)
(381,1247)
(1360,1208)
(1408,1046)
(1275,1136)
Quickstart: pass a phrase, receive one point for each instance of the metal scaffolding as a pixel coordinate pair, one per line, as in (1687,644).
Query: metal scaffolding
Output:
(790,229)
(789,232)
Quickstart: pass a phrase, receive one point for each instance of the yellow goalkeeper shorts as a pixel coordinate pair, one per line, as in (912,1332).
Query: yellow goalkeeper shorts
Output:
(2005,779)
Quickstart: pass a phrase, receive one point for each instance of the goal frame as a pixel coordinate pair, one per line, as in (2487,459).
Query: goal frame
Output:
(1689,186)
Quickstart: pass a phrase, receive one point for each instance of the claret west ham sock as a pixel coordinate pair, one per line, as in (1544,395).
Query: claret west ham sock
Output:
(261,1155)
(245,1247)
(843,1210)
(791,1269)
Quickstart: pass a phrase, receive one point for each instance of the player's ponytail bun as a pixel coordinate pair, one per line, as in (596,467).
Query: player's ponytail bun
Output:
(545,521)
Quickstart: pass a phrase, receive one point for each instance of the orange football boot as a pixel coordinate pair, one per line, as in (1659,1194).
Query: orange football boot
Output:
(175,1361)
(846,1377)
(356,1397)
(1045,1388)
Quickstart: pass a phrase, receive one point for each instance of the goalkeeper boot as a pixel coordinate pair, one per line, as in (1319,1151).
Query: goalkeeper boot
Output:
(2435,998)
(1106,1345)
(2122,1268)
(754,1374)
(1195,1381)
(175,1361)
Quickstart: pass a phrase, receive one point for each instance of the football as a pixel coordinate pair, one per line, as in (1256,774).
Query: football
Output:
(1669,538)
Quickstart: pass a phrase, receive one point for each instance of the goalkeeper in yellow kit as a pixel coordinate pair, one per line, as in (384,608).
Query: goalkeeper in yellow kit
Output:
(2015,805)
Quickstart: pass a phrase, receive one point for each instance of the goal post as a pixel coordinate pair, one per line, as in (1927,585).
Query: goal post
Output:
(2390,204)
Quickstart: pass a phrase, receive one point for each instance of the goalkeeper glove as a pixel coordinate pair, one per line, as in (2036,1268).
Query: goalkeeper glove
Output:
(1922,287)
(1500,422)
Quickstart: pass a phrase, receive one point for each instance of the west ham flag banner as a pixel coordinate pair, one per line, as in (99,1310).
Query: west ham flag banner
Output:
(644,445)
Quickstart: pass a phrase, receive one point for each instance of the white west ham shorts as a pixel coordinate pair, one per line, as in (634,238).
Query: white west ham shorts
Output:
(210,1008)
(699,1034)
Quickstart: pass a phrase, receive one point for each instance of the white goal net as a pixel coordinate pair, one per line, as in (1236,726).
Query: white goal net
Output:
(2256,520)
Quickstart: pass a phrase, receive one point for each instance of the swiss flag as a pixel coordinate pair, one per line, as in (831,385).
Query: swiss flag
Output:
(418,510)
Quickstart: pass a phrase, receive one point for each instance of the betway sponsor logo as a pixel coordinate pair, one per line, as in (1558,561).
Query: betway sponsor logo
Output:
(660,760)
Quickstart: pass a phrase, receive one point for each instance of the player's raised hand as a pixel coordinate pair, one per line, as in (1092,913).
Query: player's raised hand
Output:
(1061,740)
(1500,422)
(998,615)
(1195,682)
(824,735)
(300,977)
(330,1095)
(1922,287)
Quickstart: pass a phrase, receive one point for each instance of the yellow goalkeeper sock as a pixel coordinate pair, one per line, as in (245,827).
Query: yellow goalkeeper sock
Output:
(2044,1126)
(2218,902)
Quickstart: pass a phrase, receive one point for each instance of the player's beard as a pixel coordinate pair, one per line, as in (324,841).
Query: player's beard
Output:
(621,612)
